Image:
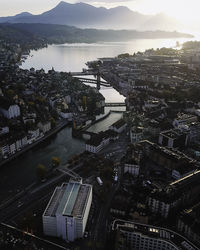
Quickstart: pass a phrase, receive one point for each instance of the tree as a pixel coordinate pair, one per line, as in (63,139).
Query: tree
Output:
(28,222)
(125,55)
(55,161)
(91,104)
(53,122)
(41,171)
(107,173)
(84,102)
(10,93)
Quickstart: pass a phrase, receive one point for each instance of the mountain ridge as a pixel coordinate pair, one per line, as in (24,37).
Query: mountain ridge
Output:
(84,15)
(60,34)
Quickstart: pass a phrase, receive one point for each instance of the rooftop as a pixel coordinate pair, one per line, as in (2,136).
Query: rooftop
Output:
(119,123)
(172,133)
(185,117)
(69,200)
(172,237)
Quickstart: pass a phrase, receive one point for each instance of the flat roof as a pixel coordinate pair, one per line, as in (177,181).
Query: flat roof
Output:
(172,133)
(55,201)
(81,201)
(68,200)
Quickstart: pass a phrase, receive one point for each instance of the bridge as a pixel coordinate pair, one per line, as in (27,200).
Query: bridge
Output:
(85,73)
(115,104)
(98,82)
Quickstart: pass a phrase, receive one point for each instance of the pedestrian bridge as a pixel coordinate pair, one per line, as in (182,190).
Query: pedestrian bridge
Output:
(115,104)
(87,73)
(93,81)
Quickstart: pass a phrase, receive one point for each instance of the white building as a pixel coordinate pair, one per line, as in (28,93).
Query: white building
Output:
(24,141)
(67,211)
(132,168)
(159,206)
(10,110)
(97,143)
(66,115)
(34,133)
(4,130)
(44,126)
(4,149)
(136,134)
(12,147)
(68,99)
(18,144)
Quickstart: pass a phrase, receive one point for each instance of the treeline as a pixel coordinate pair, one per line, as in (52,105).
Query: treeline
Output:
(26,39)
(52,33)
(191,45)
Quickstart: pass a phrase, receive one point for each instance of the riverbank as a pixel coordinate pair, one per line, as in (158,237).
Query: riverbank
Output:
(19,173)
(113,84)
(59,127)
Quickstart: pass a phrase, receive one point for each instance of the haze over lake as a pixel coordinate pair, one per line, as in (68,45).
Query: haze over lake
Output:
(72,57)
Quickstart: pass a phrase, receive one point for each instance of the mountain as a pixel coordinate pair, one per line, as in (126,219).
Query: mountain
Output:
(14,18)
(83,15)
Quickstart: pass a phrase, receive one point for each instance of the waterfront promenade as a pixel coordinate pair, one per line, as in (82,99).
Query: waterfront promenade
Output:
(59,126)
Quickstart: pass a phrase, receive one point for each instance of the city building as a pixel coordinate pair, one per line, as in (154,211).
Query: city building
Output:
(178,194)
(188,223)
(4,130)
(67,211)
(173,138)
(132,167)
(8,109)
(171,160)
(136,134)
(119,126)
(194,132)
(98,141)
(130,235)
(154,128)
(44,126)
(184,119)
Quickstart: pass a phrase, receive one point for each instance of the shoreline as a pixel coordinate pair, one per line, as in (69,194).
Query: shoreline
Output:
(60,126)
(29,147)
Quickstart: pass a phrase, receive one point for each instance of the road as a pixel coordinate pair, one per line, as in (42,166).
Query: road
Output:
(115,151)
(41,194)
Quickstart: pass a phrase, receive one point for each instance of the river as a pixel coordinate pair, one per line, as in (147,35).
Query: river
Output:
(68,57)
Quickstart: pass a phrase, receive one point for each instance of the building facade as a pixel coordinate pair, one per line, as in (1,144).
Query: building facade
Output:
(130,235)
(67,211)
(10,111)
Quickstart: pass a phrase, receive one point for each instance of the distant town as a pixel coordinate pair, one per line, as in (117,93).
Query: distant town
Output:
(137,184)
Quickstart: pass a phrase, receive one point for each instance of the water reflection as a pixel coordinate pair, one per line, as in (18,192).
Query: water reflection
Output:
(72,57)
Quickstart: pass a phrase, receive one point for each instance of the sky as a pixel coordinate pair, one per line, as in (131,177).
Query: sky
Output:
(183,10)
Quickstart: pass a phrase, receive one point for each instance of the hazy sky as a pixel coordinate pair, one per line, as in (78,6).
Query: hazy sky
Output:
(184,10)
